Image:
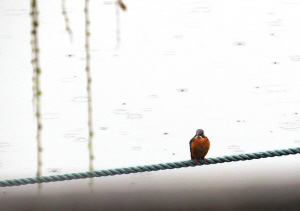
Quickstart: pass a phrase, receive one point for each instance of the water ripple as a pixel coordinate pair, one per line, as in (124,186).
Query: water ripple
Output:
(108,2)
(4,144)
(240,43)
(124,133)
(70,135)
(295,58)
(121,111)
(80,99)
(275,23)
(134,116)
(169,53)
(147,109)
(50,116)
(238,151)
(15,12)
(201,10)
(153,96)
(233,147)
(290,126)
(143,175)
(54,170)
(81,139)
(66,79)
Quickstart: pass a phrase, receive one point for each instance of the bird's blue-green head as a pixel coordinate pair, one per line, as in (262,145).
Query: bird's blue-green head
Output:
(200,133)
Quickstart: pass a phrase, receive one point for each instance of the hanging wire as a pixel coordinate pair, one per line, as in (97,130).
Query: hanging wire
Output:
(36,80)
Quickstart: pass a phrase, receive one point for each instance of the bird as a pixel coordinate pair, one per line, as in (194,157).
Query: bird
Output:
(199,146)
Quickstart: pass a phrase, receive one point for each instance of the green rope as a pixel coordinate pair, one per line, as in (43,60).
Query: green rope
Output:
(162,166)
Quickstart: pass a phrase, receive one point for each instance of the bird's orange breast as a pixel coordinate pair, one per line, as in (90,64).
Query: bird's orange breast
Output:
(200,147)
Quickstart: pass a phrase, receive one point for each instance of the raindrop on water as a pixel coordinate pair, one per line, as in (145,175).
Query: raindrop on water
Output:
(239,43)
(181,90)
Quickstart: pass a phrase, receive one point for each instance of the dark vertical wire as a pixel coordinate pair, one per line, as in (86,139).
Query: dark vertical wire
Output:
(89,81)
(36,81)
(117,25)
(119,4)
(67,20)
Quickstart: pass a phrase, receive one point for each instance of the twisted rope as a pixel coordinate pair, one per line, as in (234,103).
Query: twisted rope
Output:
(157,167)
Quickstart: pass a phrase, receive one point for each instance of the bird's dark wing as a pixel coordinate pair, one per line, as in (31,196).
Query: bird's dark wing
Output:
(191,141)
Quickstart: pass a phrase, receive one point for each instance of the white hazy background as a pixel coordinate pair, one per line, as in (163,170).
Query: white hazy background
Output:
(229,67)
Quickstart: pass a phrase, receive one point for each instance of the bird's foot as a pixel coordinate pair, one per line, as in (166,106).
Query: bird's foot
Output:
(204,160)
(196,160)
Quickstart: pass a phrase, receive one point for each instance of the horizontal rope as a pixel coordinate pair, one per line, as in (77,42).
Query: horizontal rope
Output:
(156,167)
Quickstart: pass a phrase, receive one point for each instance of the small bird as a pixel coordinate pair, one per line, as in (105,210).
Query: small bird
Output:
(199,146)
